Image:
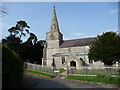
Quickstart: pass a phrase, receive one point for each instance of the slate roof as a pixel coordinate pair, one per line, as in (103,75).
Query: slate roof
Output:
(77,42)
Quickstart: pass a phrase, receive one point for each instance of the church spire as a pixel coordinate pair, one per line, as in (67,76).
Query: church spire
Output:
(54,24)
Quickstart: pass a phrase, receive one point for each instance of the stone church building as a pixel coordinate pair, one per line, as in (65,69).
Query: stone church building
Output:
(62,53)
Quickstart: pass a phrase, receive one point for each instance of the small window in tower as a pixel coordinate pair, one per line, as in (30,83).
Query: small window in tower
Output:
(63,60)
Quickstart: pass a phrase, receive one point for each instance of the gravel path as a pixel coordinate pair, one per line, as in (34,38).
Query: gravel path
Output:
(34,81)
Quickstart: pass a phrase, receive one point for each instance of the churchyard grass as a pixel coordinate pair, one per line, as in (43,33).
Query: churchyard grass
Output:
(39,73)
(98,78)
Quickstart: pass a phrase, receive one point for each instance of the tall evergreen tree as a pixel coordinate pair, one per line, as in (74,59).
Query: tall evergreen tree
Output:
(106,48)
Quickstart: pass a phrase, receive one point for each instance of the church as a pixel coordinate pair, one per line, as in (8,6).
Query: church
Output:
(62,53)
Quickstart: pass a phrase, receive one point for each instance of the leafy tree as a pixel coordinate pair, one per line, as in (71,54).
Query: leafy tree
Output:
(30,50)
(32,39)
(22,26)
(13,31)
(14,41)
(106,48)
(38,51)
(20,29)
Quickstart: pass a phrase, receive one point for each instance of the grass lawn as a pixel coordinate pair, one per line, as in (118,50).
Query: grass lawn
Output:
(98,78)
(39,73)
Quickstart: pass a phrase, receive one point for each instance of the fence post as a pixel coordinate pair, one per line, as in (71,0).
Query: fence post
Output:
(53,70)
(67,70)
(59,72)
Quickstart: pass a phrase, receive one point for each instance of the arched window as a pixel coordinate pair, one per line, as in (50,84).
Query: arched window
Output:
(63,60)
(53,62)
(73,64)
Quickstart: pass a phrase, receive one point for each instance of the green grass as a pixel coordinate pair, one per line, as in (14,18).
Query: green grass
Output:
(98,78)
(39,73)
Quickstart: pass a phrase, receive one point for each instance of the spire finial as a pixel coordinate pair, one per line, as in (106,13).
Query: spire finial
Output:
(54,7)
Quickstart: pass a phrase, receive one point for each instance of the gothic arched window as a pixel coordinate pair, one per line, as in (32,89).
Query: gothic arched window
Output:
(73,64)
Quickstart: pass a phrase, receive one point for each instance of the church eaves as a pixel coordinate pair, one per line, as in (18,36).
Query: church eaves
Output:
(54,24)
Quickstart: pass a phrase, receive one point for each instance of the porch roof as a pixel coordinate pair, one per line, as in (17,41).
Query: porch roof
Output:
(68,54)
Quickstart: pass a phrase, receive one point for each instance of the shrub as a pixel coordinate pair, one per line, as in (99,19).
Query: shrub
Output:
(12,68)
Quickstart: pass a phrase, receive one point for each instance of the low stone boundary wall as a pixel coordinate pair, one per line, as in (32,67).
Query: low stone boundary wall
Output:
(39,68)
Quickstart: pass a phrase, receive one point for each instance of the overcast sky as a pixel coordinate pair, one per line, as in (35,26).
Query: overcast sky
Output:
(76,20)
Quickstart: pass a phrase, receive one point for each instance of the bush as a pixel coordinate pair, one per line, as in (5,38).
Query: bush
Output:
(12,68)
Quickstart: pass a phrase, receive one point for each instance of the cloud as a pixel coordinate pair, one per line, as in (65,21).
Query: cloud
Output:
(114,11)
(76,34)
(73,35)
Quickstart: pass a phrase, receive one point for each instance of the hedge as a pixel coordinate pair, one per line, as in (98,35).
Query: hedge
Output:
(12,68)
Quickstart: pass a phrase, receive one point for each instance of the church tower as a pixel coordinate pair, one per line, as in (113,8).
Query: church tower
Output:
(54,37)
(53,40)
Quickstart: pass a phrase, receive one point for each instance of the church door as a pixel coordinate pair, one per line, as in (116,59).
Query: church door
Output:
(73,64)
